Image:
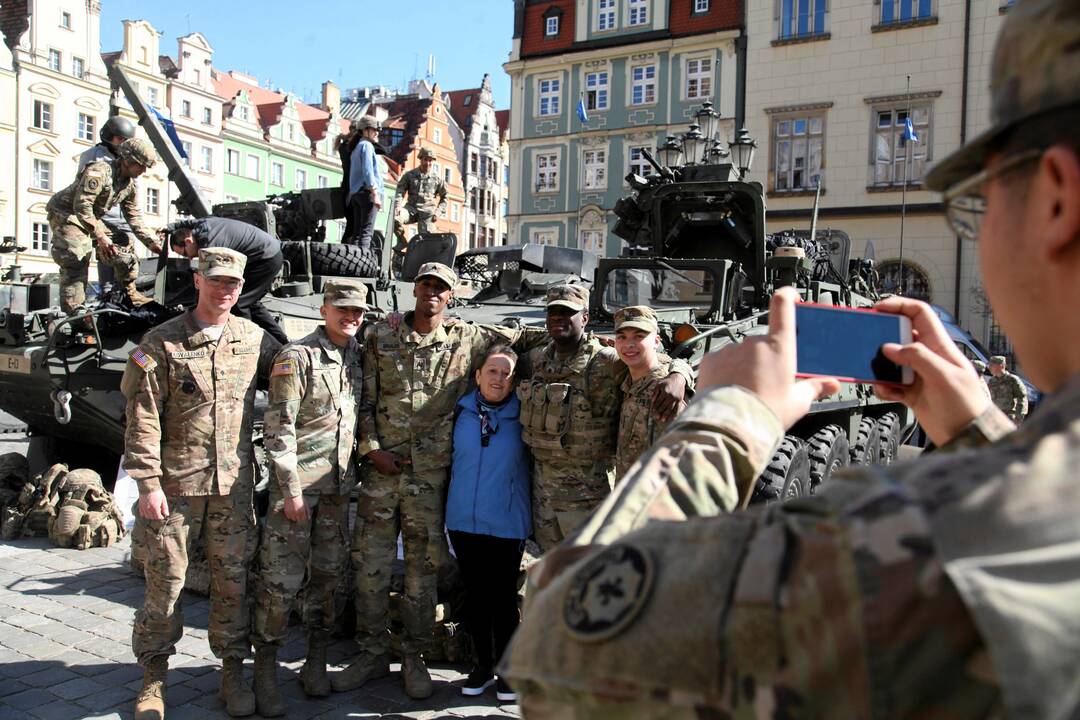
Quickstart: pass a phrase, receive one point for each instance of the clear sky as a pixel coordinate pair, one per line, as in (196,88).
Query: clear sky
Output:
(297,45)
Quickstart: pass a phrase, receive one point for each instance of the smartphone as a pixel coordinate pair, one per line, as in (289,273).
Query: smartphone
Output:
(845,343)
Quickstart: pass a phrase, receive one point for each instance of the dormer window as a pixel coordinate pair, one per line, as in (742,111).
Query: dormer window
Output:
(551,26)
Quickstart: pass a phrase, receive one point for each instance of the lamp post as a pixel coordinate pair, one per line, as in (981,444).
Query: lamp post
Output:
(718,154)
(743,148)
(692,143)
(670,152)
(708,119)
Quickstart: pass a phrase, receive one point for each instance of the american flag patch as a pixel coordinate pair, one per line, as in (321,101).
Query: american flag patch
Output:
(143,360)
(283,367)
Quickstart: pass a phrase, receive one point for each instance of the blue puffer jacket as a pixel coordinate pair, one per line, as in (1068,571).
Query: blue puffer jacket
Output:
(489,486)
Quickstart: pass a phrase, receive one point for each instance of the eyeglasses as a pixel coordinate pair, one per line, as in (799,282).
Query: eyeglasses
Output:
(965,203)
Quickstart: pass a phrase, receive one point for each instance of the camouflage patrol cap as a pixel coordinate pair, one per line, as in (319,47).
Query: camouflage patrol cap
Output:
(641,317)
(1036,69)
(980,366)
(573,297)
(221,262)
(139,151)
(426,154)
(997,360)
(440,271)
(345,293)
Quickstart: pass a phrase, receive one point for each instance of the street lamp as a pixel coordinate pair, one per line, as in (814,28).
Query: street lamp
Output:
(743,148)
(670,152)
(692,143)
(718,154)
(708,119)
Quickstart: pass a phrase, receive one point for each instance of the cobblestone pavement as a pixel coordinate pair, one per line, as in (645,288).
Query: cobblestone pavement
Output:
(65,649)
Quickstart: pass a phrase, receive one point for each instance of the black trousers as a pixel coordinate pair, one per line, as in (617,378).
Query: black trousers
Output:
(258,277)
(489,566)
(362,212)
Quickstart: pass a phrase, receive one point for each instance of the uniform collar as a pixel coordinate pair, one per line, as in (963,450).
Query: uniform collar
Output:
(659,372)
(232,332)
(331,351)
(406,333)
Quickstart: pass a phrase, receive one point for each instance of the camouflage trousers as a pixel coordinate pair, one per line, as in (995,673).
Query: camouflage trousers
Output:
(71,249)
(414,504)
(563,497)
(317,547)
(425,223)
(225,524)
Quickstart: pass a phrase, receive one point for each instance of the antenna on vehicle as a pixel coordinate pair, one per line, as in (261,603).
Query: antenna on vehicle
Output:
(813,216)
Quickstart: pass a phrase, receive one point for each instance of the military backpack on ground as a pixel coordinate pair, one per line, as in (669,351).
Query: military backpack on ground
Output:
(86,514)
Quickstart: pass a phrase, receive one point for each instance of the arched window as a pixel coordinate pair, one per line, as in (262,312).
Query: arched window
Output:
(916,282)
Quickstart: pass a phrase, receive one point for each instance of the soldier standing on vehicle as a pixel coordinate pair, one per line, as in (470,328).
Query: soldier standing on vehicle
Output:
(570,401)
(414,375)
(365,185)
(113,134)
(264,261)
(190,389)
(1007,390)
(427,196)
(940,587)
(75,217)
(637,341)
(310,436)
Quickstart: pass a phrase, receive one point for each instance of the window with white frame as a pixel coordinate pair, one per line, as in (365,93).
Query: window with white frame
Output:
(637,162)
(605,15)
(596,90)
(893,151)
(153,199)
(637,12)
(232,162)
(543,237)
(152,96)
(550,91)
(40,237)
(42,179)
(56,60)
(323,181)
(277,174)
(547,172)
(551,26)
(43,115)
(900,11)
(701,6)
(594,170)
(207,116)
(798,149)
(699,74)
(245,113)
(87,127)
(78,67)
(643,85)
(251,167)
(207,164)
(65,20)
(448,177)
(802,18)
(188,150)
(455,212)
(593,241)
(438,136)
(301,179)
(185,108)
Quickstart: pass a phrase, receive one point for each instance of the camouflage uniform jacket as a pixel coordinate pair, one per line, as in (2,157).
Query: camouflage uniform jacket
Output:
(936,588)
(311,416)
(97,188)
(422,190)
(190,406)
(412,383)
(1009,394)
(638,428)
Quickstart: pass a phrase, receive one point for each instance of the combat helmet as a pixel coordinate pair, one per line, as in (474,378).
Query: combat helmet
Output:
(139,151)
(114,126)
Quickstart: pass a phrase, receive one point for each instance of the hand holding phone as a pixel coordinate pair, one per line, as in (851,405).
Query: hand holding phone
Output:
(846,343)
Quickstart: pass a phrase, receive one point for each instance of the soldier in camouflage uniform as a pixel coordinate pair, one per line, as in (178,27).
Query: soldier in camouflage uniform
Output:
(570,400)
(1007,390)
(190,389)
(427,197)
(310,435)
(637,342)
(414,375)
(75,218)
(943,587)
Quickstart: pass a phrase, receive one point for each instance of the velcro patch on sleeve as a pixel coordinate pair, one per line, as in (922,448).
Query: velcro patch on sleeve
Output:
(144,361)
(283,367)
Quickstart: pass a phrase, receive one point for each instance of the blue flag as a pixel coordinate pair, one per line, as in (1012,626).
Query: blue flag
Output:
(909,131)
(170,130)
(583,116)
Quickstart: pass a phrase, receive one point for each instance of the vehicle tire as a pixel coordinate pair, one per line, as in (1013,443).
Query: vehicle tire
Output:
(11,424)
(787,475)
(867,449)
(331,259)
(888,430)
(829,451)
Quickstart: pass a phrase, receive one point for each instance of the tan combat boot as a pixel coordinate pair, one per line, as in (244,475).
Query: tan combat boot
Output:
(150,702)
(313,677)
(364,668)
(417,679)
(136,297)
(239,700)
(267,695)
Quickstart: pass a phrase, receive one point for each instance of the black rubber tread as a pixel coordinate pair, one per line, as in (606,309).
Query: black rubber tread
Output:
(867,447)
(787,475)
(331,259)
(888,429)
(829,450)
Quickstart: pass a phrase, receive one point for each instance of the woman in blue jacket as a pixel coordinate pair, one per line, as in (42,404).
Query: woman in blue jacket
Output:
(488,513)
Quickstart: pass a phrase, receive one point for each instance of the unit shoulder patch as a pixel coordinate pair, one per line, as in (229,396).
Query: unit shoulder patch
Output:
(608,593)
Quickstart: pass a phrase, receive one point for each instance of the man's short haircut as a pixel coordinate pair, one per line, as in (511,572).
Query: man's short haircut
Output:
(177,236)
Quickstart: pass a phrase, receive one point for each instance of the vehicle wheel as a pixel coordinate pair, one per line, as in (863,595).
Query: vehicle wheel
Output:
(888,430)
(331,259)
(867,450)
(788,474)
(829,451)
(11,424)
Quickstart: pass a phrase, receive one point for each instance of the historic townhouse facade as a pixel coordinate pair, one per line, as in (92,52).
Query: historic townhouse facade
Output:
(8,104)
(641,68)
(827,99)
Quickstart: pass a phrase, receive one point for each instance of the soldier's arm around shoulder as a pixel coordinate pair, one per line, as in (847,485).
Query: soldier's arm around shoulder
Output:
(95,179)
(367,427)
(288,385)
(145,385)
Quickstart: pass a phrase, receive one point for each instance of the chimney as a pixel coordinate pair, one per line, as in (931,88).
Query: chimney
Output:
(331,98)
